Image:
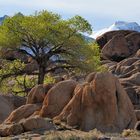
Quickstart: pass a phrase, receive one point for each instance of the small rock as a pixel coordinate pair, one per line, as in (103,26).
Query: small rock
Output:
(36,122)
(10,129)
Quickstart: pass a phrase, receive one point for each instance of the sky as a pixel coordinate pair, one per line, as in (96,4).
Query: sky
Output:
(99,13)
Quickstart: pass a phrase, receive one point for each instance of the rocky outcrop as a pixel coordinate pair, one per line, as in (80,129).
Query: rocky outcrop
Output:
(133,41)
(29,124)
(90,77)
(103,39)
(101,104)
(22,112)
(118,45)
(38,93)
(115,49)
(36,122)
(57,98)
(121,54)
(128,72)
(10,129)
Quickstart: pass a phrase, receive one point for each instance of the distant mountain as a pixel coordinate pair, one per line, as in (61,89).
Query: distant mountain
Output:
(119,25)
(2,18)
(88,38)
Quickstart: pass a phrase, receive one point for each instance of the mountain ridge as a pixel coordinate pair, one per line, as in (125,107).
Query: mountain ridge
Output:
(2,19)
(118,25)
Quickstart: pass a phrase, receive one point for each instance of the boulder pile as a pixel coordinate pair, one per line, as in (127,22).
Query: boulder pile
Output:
(118,45)
(108,101)
(100,103)
(121,55)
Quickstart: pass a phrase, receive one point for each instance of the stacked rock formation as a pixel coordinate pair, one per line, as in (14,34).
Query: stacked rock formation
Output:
(100,103)
(121,54)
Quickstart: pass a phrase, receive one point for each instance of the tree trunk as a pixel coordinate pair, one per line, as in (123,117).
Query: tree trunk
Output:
(41,75)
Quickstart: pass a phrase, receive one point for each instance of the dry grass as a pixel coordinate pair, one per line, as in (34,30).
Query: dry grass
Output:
(131,133)
(59,135)
(74,135)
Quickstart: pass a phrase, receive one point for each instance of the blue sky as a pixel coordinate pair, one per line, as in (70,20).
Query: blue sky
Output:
(100,13)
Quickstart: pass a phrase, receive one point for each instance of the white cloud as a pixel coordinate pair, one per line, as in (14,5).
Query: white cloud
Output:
(115,9)
(102,7)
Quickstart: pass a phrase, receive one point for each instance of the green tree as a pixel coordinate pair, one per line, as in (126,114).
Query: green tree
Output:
(51,41)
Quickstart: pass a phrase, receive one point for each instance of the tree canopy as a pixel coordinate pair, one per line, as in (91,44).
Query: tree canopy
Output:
(51,41)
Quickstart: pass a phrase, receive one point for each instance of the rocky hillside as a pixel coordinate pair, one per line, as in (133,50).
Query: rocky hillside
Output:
(121,54)
(106,101)
(100,102)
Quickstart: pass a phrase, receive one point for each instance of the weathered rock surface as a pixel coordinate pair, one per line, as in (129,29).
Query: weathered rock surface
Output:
(128,72)
(29,124)
(22,112)
(118,45)
(101,104)
(103,39)
(90,77)
(116,49)
(121,51)
(38,93)
(36,122)
(5,108)
(10,129)
(57,97)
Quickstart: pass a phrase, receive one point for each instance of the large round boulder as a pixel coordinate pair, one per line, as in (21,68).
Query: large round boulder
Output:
(116,49)
(103,39)
(38,93)
(118,45)
(101,104)
(57,97)
(22,112)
